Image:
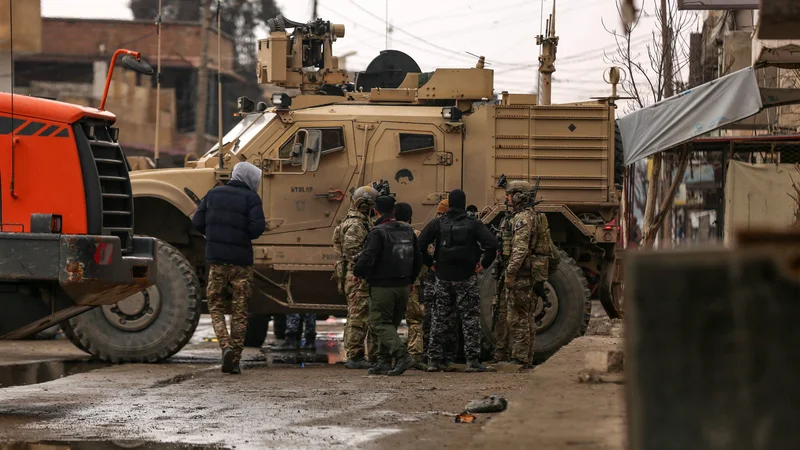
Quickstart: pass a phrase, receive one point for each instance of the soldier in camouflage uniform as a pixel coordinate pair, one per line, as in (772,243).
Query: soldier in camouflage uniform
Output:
(525,272)
(348,241)
(230,217)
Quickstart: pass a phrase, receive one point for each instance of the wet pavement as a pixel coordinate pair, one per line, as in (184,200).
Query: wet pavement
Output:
(282,400)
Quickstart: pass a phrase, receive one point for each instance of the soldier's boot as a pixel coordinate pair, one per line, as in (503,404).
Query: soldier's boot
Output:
(475,365)
(381,368)
(227,360)
(236,370)
(291,344)
(435,366)
(497,358)
(518,362)
(419,365)
(358,363)
(404,363)
(311,342)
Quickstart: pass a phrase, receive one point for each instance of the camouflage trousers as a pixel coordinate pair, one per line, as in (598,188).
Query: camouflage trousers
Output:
(241,279)
(520,323)
(356,330)
(428,302)
(301,323)
(453,298)
(415,314)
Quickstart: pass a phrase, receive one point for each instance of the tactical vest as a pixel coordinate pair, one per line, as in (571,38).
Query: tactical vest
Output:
(456,241)
(397,257)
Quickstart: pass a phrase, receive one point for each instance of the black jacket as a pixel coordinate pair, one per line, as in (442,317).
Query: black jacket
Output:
(230,217)
(391,256)
(456,260)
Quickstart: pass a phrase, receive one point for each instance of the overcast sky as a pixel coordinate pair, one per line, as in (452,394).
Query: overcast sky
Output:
(439,33)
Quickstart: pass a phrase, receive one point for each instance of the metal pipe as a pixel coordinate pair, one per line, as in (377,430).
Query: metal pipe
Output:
(121,51)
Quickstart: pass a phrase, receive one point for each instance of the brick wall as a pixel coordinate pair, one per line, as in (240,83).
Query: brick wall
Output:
(180,42)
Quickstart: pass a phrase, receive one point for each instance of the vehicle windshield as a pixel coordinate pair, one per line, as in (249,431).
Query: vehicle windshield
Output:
(244,132)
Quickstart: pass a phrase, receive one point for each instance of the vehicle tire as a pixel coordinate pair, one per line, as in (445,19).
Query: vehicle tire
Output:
(149,326)
(570,297)
(619,157)
(257,328)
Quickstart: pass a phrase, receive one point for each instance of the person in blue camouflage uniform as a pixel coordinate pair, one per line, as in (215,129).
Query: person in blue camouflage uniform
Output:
(450,340)
(457,238)
(299,325)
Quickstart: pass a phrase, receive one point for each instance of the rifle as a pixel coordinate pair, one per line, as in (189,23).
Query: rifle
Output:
(499,269)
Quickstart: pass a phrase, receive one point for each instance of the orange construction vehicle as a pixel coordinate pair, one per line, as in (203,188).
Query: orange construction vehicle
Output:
(66,212)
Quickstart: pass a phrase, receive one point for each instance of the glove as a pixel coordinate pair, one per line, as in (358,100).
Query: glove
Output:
(538,288)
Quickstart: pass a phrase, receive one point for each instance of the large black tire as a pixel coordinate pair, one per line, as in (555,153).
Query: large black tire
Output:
(257,328)
(571,320)
(619,157)
(168,328)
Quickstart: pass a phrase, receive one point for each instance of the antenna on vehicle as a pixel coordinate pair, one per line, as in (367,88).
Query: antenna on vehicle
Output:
(481,60)
(158,84)
(549,42)
(219,82)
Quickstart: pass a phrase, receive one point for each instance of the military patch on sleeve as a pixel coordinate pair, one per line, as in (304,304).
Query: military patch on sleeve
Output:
(520,223)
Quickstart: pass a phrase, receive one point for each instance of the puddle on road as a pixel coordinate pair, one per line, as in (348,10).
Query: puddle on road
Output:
(329,351)
(102,445)
(43,371)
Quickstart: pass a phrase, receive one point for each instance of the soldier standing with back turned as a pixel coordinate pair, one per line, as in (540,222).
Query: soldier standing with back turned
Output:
(348,241)
(525,272)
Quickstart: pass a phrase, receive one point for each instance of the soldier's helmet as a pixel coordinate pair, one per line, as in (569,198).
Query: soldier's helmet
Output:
(520,191)
(364,197)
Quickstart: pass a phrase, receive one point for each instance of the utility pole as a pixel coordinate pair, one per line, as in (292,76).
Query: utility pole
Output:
(314,15)
(202,84)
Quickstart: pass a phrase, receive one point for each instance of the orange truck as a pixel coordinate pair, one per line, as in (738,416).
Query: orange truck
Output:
(66,212)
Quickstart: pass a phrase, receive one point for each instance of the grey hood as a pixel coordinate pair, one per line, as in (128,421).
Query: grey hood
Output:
(247,174)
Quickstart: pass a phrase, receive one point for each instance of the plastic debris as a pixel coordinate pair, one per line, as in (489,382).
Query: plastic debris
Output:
(491,404)
(464,417)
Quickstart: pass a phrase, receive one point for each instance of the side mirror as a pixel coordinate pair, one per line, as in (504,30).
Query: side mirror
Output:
(137,65)
(296,158)
(313,150)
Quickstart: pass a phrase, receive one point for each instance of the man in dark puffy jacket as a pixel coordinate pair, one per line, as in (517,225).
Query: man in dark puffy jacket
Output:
(458,238)
(230,217)
(390,262)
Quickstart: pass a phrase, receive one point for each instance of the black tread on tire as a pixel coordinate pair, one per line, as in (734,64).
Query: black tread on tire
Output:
(177,319)
(574,310)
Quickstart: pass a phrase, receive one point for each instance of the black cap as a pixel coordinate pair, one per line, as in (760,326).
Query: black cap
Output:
(457,199)
(384,204)
(402,212)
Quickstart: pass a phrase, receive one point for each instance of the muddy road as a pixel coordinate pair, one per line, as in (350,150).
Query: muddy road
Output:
(293,403)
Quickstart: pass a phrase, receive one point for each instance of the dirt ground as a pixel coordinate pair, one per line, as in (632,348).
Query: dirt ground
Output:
(308,404)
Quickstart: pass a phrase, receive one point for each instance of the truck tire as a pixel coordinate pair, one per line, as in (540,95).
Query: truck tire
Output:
(570,320)
(257,328)
(152,326)
(619,157)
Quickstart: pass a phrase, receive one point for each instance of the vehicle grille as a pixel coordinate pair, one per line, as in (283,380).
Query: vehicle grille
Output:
(115,184)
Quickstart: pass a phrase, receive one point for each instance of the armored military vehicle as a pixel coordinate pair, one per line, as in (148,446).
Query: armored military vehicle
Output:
(426,133)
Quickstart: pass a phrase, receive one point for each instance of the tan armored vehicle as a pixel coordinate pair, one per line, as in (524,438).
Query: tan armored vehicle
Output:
(426,133)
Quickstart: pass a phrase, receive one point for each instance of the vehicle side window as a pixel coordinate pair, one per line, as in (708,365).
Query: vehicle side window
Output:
(332,141)
(412,142)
